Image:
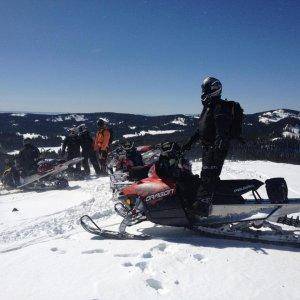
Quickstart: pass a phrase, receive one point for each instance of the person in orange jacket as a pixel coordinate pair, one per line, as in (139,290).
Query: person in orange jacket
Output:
(101,144)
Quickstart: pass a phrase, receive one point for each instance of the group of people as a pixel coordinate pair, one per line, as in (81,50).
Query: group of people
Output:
(217,127)
(79,142)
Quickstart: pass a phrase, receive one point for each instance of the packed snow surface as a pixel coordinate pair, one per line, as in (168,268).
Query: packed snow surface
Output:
(45,254)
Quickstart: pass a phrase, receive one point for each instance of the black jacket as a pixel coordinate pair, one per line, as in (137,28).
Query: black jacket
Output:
(135,157)
(72,143)
(168,168)
(86,143)
(214,125)
(28,156)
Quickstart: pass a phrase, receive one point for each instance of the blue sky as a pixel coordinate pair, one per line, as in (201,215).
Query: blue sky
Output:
(147,56)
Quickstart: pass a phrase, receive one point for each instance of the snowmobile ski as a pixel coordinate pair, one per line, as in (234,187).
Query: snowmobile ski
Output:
(244,232)
(93,228)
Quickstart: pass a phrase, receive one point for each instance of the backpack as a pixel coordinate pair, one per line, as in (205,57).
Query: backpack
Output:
(237,118)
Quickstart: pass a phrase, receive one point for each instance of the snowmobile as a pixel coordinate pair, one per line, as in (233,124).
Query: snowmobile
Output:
(121,170)
(233,217)
(48,176)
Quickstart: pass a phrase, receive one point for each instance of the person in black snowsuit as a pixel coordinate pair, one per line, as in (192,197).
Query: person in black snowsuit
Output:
(88,153)
(132,154)
(71,145)
(214,134)
(171,166)
(27,158)
(136,168)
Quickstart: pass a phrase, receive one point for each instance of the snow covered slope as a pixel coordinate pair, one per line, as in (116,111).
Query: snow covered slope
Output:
(45,254)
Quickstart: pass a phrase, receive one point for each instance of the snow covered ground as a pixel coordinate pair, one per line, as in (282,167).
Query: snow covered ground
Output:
(45,254)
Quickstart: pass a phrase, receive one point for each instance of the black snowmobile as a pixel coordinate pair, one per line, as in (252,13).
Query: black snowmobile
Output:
(155,200)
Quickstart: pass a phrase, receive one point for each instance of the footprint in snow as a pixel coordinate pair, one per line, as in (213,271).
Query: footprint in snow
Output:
(127,264)
(93,251)
(147,255)
(55,249)
(126,255)
(161,247)
(142,265)
(198,256)
(155,284)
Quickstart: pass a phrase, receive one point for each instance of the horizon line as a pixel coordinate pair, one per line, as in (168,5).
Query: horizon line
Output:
(124,113)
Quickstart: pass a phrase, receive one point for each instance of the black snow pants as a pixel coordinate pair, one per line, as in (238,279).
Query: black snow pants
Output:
(71,155)
(212,164)
(90,156)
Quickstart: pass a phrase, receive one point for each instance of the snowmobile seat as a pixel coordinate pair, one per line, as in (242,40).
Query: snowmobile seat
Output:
(231,191)
(47,165)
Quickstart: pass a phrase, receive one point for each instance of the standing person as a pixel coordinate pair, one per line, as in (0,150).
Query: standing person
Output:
(101,144)
(27,158)
(88,153)
(219,122)
(71,144)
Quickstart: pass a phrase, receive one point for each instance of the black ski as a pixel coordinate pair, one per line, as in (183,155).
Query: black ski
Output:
(93,228)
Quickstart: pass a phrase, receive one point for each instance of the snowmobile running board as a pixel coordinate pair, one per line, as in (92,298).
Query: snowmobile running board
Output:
(94,229)
(249,211)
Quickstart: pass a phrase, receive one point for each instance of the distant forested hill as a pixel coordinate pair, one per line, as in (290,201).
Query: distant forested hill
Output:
(272,135)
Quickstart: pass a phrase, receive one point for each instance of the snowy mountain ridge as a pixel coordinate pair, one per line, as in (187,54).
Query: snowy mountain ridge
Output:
(277,115)
(48,130)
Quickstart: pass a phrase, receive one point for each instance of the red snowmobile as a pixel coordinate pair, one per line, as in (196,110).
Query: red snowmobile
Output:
(49,176)
(156,200)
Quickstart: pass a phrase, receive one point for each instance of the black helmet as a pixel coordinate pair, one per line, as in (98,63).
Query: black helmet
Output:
(127,145)
(170,149)
(211,87)
(73,131)
(100,122)
(82,129)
